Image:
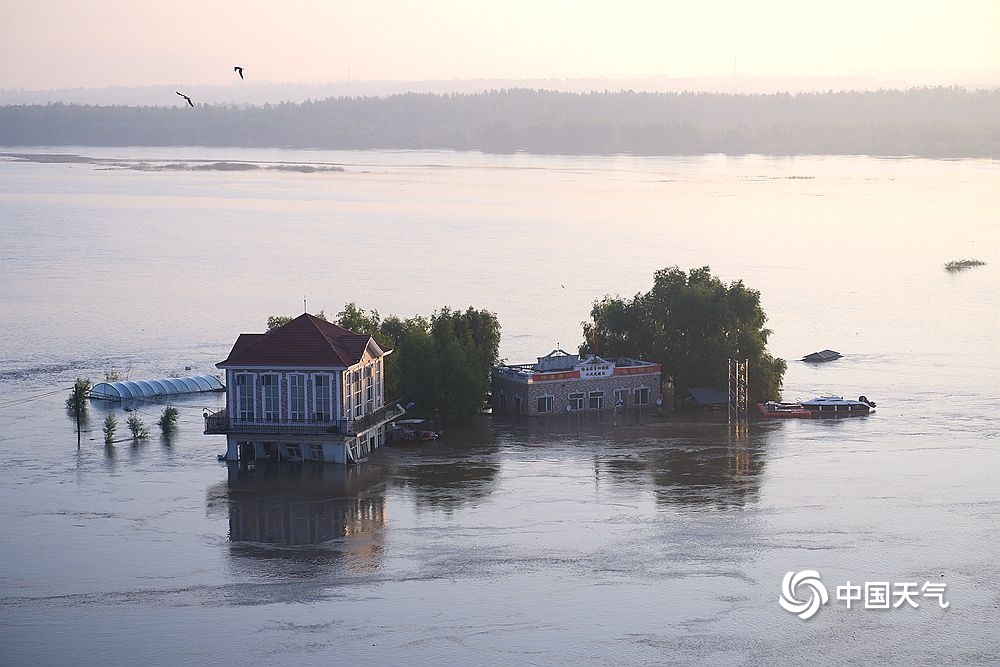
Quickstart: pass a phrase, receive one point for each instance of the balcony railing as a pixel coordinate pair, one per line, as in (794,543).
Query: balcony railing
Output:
(219,423)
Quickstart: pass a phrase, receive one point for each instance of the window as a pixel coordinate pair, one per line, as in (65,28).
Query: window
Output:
(297,397)
(576,401)
(245,404)
(348,395)
(642,396)
(359,408)
(379,398)
(322,400)
(294,452)
(269,396)
(544,404)
(369,390)
(621,398)
(597,400)
(316,452)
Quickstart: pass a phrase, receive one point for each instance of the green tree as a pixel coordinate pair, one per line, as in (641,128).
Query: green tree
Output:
(110,426)
(690,323)
(137,426)
(168,420)
(441,363)
(76,404)
(358,320)
(275,321)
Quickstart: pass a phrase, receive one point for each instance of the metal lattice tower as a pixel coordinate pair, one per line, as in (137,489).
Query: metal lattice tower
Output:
(738,389)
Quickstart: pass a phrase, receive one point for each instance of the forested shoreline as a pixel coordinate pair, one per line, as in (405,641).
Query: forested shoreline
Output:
(928,122)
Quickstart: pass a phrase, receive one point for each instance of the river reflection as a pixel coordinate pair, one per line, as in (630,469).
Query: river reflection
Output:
(317,515)
(704,463)
(460,468)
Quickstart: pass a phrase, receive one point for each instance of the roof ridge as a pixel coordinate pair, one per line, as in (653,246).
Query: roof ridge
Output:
(331,332)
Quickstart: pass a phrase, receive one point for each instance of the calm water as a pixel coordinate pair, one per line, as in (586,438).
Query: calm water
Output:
(531,542)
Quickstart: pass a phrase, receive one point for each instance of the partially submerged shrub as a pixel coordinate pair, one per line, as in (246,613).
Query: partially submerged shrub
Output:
(110,426)
(137,427)
(168,420)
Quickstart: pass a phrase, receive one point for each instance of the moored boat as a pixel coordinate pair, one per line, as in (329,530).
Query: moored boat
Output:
(783,410)
(838,406)
(411,430)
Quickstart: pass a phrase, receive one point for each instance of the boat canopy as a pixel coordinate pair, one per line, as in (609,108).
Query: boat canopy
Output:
(132,389)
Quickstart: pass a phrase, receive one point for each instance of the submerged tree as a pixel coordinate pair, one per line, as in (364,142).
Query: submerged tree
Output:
(76,404)
(168,420)
(137,426)
(690,323)
(441,363)
(110,426)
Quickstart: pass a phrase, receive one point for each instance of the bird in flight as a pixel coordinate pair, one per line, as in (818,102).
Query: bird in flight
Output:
(238,70)
(186,97)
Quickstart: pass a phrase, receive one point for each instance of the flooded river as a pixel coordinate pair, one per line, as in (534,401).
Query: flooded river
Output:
(567,541)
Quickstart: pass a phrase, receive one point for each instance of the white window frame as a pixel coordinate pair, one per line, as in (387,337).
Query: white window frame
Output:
(369,381)
(246,410)
(323,398)
(359,406)
(548,398)
(575,400)
(302,413)
(597,396)
(270,406)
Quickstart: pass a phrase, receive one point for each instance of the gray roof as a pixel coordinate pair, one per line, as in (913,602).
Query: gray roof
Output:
(132,389)
(708,396)
(825,355)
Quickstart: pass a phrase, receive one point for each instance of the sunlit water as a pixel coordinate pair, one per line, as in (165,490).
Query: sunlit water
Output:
(507,542)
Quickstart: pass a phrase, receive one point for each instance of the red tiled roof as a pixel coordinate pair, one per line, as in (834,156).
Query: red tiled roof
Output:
(305,342)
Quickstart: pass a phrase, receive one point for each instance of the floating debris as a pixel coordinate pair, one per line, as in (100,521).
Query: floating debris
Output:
(963,264)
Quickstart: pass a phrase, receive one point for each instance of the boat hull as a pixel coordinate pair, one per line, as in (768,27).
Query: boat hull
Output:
(773,410)
(836,406)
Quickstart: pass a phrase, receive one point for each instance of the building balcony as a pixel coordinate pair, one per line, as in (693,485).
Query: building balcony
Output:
(220,423)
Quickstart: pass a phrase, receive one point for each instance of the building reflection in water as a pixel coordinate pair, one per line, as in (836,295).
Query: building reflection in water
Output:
(310,513)
(711,466)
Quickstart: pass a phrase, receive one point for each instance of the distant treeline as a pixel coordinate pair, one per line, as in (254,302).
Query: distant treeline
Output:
(929,122)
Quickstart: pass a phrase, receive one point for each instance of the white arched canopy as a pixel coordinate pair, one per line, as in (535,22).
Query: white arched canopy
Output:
(140,389)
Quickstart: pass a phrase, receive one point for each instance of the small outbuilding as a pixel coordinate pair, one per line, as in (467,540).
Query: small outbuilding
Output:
(825,355)
(704,398)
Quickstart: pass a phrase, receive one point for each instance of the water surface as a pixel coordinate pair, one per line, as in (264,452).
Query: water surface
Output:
(529,542)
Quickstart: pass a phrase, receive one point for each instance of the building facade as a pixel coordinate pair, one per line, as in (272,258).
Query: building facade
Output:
(561,382)
(306,391)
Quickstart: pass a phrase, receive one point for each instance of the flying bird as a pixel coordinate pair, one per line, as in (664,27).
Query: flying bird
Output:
(186,97)
(238,70)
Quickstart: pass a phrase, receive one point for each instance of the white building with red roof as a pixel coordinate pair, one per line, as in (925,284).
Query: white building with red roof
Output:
(306,391)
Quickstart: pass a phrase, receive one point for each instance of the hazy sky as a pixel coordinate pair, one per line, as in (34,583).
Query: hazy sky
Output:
(96,43)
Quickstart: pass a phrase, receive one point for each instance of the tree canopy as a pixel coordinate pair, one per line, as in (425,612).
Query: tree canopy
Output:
(690,323)
(441,363)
